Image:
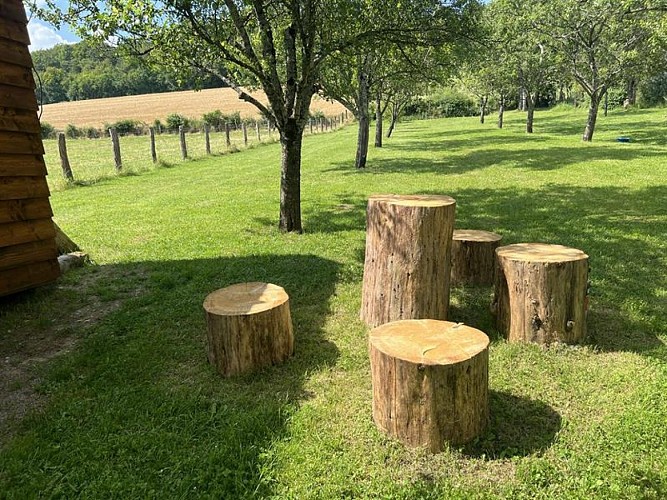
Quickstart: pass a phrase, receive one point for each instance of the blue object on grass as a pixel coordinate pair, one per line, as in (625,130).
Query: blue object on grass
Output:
(622,139)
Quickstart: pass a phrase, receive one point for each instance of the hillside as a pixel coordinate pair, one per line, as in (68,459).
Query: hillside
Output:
(149,107)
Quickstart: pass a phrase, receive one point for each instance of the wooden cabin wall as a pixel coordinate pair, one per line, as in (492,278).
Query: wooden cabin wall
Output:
(28,255)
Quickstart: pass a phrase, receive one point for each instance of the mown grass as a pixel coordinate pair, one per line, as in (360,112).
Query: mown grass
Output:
(92,160)
(135,411)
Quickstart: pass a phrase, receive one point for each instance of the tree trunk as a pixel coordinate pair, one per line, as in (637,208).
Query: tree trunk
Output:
(249,327)
(606,103)
(430,382)
(378,120)
(395,111)
(540,293)
(474,256)
(291,138)
(632,91)
(482,109)
(364,122)
(530,112)
(407,259)
(501,112)
(592,117)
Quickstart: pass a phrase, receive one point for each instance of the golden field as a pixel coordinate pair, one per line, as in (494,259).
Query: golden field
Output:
(149,107)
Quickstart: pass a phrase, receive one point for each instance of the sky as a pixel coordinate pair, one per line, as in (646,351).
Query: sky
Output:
(44,36)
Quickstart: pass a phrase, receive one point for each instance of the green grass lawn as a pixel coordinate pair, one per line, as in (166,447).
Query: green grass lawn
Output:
(133,410)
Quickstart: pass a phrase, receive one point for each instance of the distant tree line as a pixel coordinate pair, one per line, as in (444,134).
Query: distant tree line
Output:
(92,69)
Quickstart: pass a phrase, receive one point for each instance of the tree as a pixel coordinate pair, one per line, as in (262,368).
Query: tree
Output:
(387,73)
(278,46)
(525,49)
(601,42)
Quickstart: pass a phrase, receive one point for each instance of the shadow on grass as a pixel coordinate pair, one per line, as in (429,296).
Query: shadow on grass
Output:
(518,427)
(537,159)
(136,409)
(616,227)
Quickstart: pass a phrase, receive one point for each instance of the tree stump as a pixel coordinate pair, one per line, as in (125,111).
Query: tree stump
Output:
(474,256)
(407,263)
(540,293)
(249,327)
(430,382)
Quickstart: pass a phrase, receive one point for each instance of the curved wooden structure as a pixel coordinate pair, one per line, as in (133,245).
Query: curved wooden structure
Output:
(249,327)
(540,293)
(474,256)
(28,256)
(430,382)
(407,263)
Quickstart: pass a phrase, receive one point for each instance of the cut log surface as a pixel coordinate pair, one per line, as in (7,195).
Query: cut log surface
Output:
(407,262)
(540,293)
(474,256)
(249,327)
(430,382)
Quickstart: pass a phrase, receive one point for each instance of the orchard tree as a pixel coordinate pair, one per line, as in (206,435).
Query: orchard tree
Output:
(526,52)
(602,43)
(277,46)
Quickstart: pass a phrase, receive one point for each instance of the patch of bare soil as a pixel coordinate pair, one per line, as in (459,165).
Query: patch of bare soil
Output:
(25,350)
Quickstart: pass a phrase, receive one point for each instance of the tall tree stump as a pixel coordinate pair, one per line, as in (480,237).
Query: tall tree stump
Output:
(249,327)
(540,293)
(407,263)
(430,382)
(474,256)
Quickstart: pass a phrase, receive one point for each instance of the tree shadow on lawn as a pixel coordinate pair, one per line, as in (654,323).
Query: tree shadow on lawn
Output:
(536,159)
(518,427)
(137,403)
(616,227)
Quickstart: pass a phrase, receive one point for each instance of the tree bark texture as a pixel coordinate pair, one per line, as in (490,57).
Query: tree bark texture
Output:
(540,293)
(592,117)
(430,382)
(501,112)
(291,138)
(474,257)
(64,158)
(530,111)
(249,327)
(378,121)
(364,120)
(482,109)
(407,262)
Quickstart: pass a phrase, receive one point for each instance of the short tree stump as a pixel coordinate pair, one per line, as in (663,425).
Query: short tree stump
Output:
(407,262)
(474,256)
(430,382)
(249,327)
(540,293)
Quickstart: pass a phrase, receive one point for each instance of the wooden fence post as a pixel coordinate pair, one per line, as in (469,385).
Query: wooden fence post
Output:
(311,126)
(115,142)
(184,147)
(64,160)
(151,133)
(207,139)
(228,141)
(245,134)
(259,136)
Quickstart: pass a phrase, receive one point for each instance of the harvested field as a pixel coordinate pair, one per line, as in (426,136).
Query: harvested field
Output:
(149,107)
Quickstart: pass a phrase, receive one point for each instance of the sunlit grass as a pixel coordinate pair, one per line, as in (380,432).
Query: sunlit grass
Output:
(135,410)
